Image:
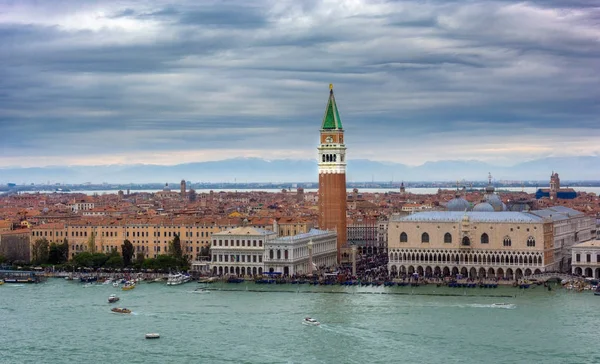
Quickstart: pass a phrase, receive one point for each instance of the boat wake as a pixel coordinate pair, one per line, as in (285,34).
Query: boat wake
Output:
(506,306)
(198,291)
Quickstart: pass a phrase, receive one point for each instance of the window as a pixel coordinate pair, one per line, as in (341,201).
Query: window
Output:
(588,258)
(466,241)
(425,238)
(447,238)
(530,242)
(271,254)
(485,239)
(578,257)
(285,254)
(507,241)
(403,237)
(278,254)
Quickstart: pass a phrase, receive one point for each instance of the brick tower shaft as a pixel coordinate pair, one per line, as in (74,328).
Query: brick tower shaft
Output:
(332,174)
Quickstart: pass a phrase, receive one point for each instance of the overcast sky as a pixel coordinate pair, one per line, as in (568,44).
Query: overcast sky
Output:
(102,82)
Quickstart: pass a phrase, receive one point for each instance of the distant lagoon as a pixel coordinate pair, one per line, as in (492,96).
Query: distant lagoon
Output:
(416,190)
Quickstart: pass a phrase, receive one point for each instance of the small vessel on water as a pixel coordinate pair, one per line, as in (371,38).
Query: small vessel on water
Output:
(177,279)
(201,290)
(113,298)
(1,282)
(503,304)
(120,310)
(128,286)
(310,321)
(153,335)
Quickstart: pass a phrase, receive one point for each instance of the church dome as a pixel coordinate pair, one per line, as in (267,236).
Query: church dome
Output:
(166,188)
(458,204)
(495,201)
(483,207)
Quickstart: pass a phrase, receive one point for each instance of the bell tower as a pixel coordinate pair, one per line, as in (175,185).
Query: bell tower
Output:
(332,174)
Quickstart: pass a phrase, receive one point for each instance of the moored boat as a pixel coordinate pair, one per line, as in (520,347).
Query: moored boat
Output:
(177,279)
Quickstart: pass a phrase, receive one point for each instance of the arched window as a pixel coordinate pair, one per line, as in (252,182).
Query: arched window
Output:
(271,253)
(530,241)
(278,254)
(403,237)
(425,238)
(447,238)
(485,239)
(466,241)
(507,241)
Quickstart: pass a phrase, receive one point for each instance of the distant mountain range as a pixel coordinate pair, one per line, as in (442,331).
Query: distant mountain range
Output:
(246,170)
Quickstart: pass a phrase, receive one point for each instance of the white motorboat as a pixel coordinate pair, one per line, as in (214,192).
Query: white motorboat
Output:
(153,335)
(503,305)
(115,284)
(113,298)
(201,290)
(177,279)
(310,321)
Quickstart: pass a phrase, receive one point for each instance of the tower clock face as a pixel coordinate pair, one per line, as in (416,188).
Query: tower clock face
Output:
(329,139)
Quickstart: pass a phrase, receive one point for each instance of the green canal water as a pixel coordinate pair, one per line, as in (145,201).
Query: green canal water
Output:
(66,322)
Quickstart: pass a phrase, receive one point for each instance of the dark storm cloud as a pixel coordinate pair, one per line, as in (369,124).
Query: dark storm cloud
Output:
(97,78)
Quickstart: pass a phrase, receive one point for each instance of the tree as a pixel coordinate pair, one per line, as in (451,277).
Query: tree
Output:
(139,261)
(192,195)
(92,242)
(54,254)
(65,250)
(127,251)
(175,247)
(58,253)
(40,251)
(205,251)
(115,261)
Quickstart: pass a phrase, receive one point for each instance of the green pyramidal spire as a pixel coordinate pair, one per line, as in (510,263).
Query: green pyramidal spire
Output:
(331,120)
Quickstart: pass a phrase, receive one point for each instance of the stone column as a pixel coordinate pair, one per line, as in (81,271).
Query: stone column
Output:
(310,257)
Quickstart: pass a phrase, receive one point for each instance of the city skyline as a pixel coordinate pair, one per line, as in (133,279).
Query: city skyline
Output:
(126,82)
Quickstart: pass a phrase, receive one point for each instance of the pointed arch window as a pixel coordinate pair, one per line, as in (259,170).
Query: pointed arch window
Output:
(466,241)
(507,241)
(485,239)
(531,242)
(403,237)
(425,238)
(447,238)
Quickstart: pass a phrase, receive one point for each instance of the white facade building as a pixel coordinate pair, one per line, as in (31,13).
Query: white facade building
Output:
(82,206)
(239,251)
(289,255)
(586,259)
(570,227)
